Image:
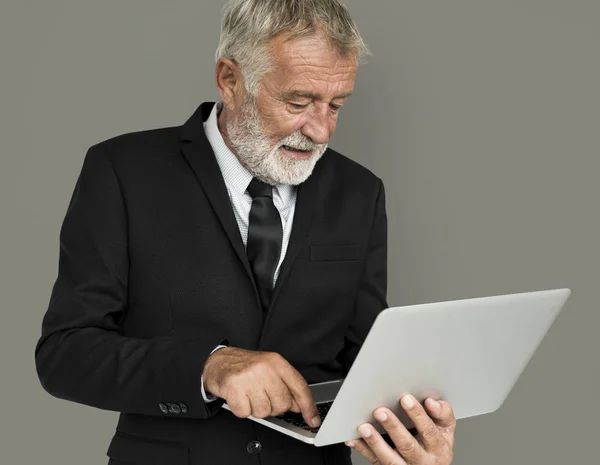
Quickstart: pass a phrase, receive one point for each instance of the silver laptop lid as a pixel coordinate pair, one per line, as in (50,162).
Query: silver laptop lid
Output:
(468,352)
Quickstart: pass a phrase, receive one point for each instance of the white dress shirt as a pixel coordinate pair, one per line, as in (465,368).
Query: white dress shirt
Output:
(237,178)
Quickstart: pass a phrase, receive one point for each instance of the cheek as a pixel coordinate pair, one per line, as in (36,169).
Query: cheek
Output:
(286,124)
(289,125)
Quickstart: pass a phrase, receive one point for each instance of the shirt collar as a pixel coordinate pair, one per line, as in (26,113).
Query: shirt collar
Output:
(235,174)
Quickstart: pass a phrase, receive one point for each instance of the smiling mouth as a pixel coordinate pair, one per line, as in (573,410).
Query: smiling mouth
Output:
(292,149)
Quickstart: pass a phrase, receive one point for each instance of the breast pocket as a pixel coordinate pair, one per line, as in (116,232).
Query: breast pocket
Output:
(135,450)
(335,253)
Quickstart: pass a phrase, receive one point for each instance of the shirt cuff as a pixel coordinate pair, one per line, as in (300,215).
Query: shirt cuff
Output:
(205,396)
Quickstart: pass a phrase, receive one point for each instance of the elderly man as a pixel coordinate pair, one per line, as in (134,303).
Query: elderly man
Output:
(235,258)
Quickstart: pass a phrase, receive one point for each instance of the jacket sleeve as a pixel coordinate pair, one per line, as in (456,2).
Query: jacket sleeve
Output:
(81,354)
(371,295)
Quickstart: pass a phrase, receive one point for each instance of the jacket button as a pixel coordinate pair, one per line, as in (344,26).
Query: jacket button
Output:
(163,408)
(174,408)
(184,408)
(254,447)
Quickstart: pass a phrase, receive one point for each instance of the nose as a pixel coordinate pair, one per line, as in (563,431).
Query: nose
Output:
(317,125)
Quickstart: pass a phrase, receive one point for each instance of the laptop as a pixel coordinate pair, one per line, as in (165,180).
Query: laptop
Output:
(468,352)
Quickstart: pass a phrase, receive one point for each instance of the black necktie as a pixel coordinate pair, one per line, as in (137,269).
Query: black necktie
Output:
(265,236)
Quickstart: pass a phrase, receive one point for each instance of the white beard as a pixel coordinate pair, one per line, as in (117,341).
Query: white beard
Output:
(270,165)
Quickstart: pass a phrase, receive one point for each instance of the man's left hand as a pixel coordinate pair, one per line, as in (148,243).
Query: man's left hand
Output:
(432,445)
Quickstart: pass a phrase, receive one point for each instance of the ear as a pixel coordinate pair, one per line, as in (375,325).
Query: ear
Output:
(229,82)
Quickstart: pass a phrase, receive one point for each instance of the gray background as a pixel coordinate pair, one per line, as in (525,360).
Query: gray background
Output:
(482,117)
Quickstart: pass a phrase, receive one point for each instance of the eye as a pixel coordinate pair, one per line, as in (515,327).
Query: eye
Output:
(335,107)
(298,106)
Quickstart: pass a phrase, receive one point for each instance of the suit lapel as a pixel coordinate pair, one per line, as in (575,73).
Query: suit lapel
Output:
(200,156)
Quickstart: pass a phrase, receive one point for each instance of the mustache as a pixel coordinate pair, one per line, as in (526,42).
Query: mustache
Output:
(299,141)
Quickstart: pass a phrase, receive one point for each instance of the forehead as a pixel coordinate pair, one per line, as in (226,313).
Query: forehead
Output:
(310,64)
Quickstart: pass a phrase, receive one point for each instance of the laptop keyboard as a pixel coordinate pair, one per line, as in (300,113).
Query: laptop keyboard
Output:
(297,420)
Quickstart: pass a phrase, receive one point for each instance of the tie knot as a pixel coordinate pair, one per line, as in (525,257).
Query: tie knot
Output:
(258,188)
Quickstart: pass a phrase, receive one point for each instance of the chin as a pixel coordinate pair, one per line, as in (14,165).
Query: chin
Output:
(294,177)
(278,168)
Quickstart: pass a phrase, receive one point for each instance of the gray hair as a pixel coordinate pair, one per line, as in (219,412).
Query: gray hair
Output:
(248,26)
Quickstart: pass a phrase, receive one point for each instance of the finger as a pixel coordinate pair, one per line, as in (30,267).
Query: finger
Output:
(428,430)
(360,446)
(295,406)
(442,413)
(302,395)
(380,449)
(280,398)
(402,438)
(260,404)
(240,406)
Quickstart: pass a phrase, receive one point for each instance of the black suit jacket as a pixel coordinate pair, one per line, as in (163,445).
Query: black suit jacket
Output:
(153,275)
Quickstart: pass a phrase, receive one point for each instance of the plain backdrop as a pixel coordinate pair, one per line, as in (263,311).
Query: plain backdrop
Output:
(482,117)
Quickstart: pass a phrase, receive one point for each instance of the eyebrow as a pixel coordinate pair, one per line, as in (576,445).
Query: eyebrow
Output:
(299,94)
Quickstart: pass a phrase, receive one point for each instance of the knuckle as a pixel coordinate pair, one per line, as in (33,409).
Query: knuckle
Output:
(375,440)
(261,414)
(281,407)
(371,441)
(394,429)
(243,413)
(392,425)
(278,411)
(240,410)
(273,358)
(447,408)
(430,431)
(359,446)
(371,458)
(300,382)
(286,404)
(406,447)
(261,411)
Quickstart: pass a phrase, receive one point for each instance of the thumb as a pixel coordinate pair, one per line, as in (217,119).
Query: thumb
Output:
(441,412)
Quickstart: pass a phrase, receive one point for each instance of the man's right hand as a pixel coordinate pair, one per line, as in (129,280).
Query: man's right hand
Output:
(260,384)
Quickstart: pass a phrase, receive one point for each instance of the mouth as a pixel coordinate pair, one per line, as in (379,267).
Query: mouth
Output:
(296,153)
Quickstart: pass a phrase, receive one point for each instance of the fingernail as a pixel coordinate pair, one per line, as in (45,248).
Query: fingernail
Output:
(380,415)
(350,443)
(364,431)
(316,422)
(408,401)
(436,404)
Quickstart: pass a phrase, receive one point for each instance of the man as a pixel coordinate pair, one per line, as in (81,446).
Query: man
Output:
(235,258)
